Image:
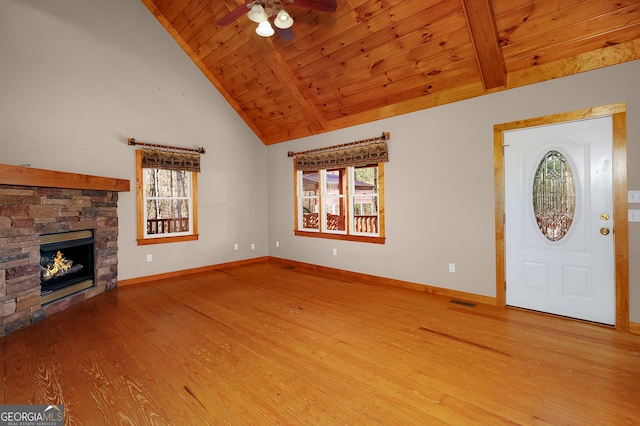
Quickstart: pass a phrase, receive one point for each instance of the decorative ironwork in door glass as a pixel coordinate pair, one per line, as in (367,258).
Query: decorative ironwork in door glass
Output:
(554,196)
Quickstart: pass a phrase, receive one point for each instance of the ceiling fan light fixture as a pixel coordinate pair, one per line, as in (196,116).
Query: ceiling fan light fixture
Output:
(265,29)
(257,14)
(283,20)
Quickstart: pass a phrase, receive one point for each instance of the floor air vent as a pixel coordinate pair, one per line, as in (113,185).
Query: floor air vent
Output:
(463,303)
(289,267)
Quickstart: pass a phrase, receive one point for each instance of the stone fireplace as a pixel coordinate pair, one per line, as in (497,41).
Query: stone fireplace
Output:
(42,206)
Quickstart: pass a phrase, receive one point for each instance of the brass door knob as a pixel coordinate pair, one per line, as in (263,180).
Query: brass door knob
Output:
(604,231)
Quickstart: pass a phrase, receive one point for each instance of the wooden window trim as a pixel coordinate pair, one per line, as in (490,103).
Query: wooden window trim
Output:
(142,241)
(344,237)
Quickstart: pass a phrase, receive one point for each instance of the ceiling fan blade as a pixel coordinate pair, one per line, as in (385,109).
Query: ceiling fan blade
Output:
(329,6)
(286,34)
(234,14)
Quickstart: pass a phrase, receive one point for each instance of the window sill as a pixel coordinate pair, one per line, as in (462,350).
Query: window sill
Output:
(164,240)
(343,237)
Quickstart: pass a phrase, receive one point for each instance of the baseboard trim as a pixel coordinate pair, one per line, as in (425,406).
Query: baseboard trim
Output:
(149,278)
(634,328)
(375,280)
(356,276)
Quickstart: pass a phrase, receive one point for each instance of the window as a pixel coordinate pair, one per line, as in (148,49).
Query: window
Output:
(341,203)
(167,200)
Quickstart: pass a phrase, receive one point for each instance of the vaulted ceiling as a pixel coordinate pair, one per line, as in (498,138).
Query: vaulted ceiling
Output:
(373,59)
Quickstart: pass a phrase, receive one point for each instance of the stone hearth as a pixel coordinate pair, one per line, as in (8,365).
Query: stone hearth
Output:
(50,207)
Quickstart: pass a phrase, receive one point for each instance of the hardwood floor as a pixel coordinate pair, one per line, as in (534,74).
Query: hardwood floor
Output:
(269,344)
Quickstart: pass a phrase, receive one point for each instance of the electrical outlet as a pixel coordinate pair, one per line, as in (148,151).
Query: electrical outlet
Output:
(253,246)
(452,267)
(335,252)
(634,215)
(235,246)
(634,196)
(149,258)
(277,243)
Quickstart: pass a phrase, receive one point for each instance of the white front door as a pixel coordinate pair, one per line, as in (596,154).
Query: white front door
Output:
(560,254)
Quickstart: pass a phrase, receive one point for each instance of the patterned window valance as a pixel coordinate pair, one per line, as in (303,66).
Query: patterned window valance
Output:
(156,156)
(156,159)
(360,153)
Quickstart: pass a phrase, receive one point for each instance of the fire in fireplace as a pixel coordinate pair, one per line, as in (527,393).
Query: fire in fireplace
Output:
(57,266)
(66,264)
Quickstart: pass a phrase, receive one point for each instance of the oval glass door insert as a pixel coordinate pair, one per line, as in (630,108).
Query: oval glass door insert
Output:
(554,196)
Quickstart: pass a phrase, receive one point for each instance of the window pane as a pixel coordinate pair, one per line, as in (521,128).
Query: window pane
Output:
(335,213)
(166,183)
(334,201)
(166,208)
(310,221)
(309,200)
(166,216)
(365,200)
(366,179)
(554,196)
(334,182)
(310,184)
(150,182)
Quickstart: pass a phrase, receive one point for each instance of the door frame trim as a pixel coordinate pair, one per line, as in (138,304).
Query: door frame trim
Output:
(618,112)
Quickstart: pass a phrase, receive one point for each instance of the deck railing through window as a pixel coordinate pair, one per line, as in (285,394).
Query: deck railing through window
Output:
(368,224)
(167,226)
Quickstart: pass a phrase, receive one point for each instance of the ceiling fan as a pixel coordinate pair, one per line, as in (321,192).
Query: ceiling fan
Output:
(262,11)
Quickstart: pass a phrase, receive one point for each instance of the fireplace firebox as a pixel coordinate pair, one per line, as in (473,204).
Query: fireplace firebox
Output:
(66,264)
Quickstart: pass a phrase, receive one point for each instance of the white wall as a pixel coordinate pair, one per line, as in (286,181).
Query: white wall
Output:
(79,77)
(439,184)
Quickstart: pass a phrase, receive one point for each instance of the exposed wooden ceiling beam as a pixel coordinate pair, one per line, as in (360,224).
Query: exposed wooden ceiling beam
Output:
(484,36)
(282,71)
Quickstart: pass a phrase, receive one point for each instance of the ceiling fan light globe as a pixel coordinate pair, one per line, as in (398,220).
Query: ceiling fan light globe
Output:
(283,20)
(257,14)
(264,29)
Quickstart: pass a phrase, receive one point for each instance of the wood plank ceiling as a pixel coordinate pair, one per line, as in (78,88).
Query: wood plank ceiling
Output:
(374,59)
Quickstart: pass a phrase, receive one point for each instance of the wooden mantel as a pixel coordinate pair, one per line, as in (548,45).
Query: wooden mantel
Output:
(27,176)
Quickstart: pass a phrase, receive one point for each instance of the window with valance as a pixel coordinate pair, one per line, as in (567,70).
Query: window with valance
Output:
(167,194)
(339,191)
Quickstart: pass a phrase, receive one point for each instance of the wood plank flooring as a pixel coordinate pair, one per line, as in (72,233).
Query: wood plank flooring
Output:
(268,344)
